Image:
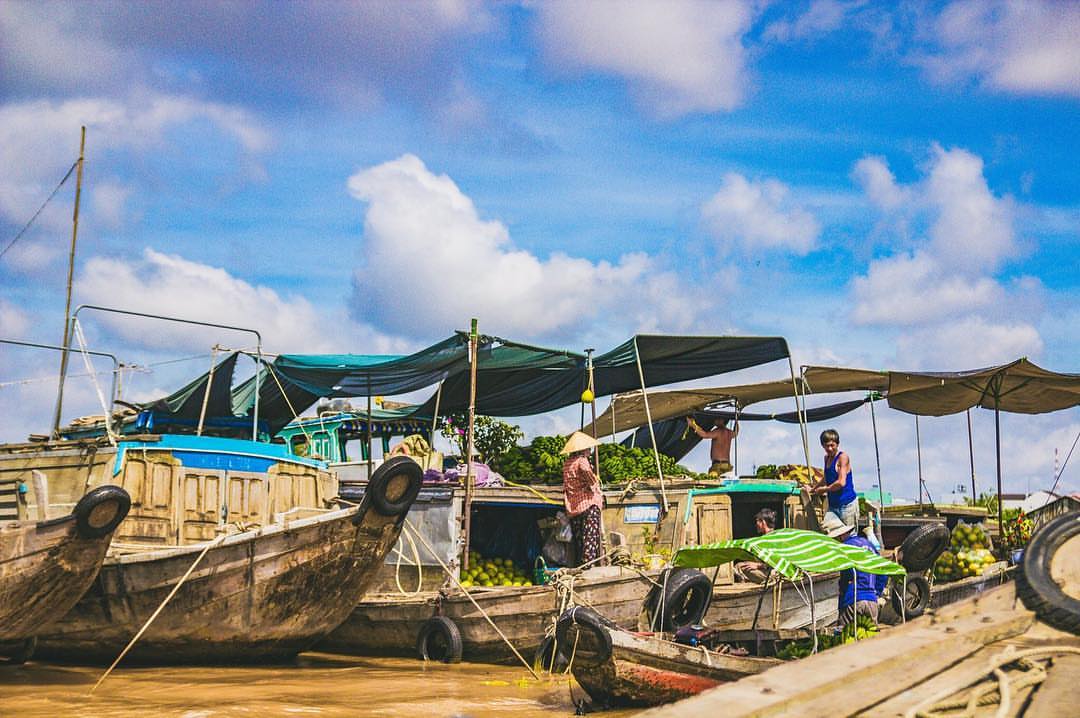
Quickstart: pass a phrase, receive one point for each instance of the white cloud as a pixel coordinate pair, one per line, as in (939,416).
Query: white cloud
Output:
(678,56)
(973,229)
(39,142)
(13,321)
(879,183)
(821,18)
(913,289)
(199,292)
(433,262)
(970,342)
(1024,47)
(757,216)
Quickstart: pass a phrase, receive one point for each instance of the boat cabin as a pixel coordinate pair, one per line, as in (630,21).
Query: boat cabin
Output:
(184,489)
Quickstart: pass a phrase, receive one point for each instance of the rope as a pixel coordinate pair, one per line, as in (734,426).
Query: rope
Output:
(419,567)
(471,599)
(536,493)
(42,207)
(106,409)
(150,620)
(982,693)
(285,396)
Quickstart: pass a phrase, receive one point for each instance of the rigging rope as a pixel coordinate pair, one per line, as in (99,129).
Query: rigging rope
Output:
(42,207)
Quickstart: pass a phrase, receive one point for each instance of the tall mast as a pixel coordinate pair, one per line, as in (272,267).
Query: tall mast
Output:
(70,276)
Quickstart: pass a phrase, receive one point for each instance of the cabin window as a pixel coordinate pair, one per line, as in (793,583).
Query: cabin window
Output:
(299,446)
(745,506)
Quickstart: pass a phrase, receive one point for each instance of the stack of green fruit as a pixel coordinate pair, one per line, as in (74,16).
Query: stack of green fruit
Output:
(490,572)
(863,628)
(541,463)
(968,554)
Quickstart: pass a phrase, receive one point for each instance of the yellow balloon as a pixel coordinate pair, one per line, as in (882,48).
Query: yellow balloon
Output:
(587,396)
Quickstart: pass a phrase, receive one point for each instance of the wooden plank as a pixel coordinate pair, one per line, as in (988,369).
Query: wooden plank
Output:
(855,677)
(1056,697)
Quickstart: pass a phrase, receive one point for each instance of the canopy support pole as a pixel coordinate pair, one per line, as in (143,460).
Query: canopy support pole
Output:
(971,457)
(474,339)
(918,459)
(370,452)
(434,424)
(206,394)
(652,434)
(592,404)
(735,443)
(997,442)
(811,516)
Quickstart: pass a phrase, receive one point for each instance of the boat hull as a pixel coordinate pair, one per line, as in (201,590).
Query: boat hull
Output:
(626,670)
(257,596)
(734,606)
(390,624)
(45,567)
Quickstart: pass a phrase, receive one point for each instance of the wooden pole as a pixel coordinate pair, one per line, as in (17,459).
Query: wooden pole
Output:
(971,458)
(474,340)
(652,434)
(206,394)
(997,442)
(70,277)
(370,457)
(877,453)
(918,458)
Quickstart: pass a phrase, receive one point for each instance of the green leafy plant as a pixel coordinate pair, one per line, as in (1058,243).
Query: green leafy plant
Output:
(491,437)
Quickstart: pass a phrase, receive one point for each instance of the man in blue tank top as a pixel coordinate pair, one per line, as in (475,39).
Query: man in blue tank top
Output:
(838,484)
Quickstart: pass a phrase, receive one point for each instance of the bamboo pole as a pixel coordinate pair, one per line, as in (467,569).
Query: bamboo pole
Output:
(918,459)
(370,457)
(877,453)
(652,434)
(206,394)
(70,277)
(997,442)
(474,339)
(971,457)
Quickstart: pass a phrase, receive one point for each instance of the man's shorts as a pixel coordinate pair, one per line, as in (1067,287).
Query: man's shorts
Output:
(720,467)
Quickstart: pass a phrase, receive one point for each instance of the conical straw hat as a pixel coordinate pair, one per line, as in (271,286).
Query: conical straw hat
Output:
(578,441)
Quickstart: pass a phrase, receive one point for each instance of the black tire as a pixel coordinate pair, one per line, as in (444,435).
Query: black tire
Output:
(394,485)
(1036,586)
(100,511)
(22,652)
(910,601)
(547,659)
(923,545)
(583,637)
(686,593)
(439,640)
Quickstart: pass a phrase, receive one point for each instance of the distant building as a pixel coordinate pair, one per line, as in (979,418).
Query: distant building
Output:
(1012,501)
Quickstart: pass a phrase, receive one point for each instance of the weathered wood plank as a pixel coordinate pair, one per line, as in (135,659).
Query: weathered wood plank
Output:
(1057,696)
(850,679)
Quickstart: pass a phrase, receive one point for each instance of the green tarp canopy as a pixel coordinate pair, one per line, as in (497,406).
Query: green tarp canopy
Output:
(187,403)
(790,552)
(526,390)
(513,379)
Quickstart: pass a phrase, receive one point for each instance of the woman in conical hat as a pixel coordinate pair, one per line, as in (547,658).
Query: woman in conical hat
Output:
(582,496)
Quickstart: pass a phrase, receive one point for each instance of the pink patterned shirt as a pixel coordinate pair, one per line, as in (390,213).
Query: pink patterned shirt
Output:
(580,486)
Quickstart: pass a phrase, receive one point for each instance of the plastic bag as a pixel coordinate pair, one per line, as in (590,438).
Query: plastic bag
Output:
(564,533)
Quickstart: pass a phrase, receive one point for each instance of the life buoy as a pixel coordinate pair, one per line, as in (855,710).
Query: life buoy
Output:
(439,640)
(686,593)
(1055,599)
(922,546)
(100,511)
(910,598)
(394,485)
(583,637)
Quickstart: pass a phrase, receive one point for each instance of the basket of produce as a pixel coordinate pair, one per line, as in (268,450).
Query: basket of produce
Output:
(968,554)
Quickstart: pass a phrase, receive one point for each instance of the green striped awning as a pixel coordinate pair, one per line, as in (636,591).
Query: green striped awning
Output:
(789,552)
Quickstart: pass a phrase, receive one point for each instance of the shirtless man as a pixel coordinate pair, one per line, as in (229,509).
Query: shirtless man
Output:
(720,451)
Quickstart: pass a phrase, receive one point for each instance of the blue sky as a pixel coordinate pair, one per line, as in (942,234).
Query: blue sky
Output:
(884,184)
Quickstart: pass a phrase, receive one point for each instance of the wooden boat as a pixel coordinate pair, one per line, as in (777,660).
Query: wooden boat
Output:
(963,654)
(46,566)
(942,594)
(392,624)
(776,607)
(253,595)
(618,668)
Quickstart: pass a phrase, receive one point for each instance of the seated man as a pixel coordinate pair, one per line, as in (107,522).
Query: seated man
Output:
(756,571)
(858,597)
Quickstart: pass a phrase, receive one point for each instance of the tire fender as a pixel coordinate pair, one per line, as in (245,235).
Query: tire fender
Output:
(439,640)
(100,511)
(686,593)
(1035,584)
(922,546)
(913,603)
(549,659)
(583,637)
(394,485)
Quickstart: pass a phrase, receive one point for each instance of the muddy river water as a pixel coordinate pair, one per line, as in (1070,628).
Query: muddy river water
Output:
(316,684)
